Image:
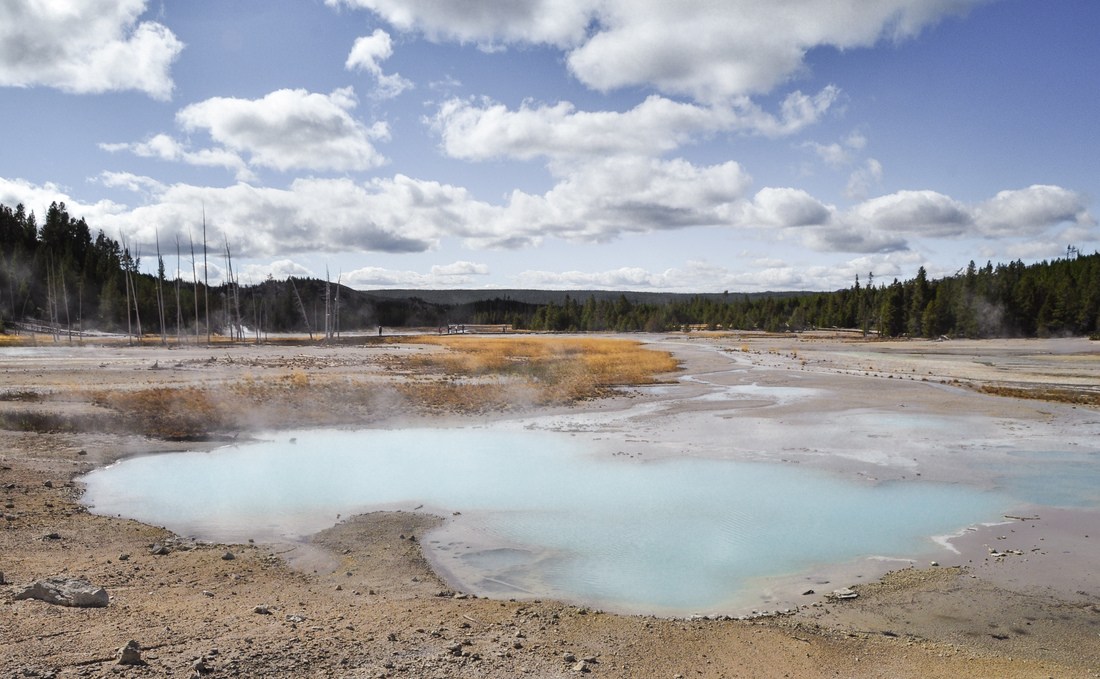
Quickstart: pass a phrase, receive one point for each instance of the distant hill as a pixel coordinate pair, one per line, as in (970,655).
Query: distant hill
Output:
(540,297)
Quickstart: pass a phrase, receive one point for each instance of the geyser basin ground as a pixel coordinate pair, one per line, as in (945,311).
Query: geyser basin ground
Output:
(1020,616)
(548,514)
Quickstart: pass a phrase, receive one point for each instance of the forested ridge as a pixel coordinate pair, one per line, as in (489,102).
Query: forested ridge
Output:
(56,275)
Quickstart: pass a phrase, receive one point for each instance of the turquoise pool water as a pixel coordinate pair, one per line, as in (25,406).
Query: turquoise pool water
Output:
(550,514)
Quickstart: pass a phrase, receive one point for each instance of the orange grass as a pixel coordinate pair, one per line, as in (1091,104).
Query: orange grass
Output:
(1045,393)
(466,375)
(561,368)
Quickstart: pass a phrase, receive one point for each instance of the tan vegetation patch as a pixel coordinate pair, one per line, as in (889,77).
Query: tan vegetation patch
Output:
(456,375)
(1043,393)
(293,399)
(586,363)
(480,374)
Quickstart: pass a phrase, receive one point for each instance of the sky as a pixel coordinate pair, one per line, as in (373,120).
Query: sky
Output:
(653,145)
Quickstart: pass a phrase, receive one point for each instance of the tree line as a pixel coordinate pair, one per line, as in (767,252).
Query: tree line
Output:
(1058,297)
(56,275)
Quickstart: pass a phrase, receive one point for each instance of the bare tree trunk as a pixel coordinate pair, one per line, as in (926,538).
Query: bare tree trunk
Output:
(179,310)
(133,288)
(65,300)
(328,310)
(80,309)
(160,294)
(234,296)
(336,309)
(301,307)
(205,275)
(126,284)
(51,299)
(195,284)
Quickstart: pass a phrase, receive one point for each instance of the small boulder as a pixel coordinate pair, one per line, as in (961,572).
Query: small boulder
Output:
(159,550)
(130,654)
(228,556)
(67,592)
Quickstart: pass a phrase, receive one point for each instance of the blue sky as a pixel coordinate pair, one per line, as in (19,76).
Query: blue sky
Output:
(691,146)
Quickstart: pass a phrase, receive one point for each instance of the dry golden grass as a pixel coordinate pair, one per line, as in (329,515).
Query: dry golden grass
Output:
(172,413)
(466,375)
(1045,393)
(560,369)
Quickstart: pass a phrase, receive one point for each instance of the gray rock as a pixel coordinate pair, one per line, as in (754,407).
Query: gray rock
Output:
(130,654)
(67,592)
(228,556)
(159,550)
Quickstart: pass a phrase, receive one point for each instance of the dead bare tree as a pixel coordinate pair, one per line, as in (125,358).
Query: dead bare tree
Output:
(129,265)
(126,284)
(301,307)
(179,309)
(205,275)
(133,290)
(336,305)
(233,301)
(51,299)
(328,310)
(195,284)
(65,301)
(160,293)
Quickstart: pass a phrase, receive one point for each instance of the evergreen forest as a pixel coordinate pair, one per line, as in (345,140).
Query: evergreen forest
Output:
(56,276)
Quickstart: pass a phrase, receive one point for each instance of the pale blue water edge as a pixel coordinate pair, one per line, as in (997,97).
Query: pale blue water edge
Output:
(669,536)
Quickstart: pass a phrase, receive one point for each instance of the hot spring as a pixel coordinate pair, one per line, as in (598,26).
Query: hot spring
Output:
(549,514)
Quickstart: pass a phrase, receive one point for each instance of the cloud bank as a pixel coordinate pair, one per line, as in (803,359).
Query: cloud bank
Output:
(709,51)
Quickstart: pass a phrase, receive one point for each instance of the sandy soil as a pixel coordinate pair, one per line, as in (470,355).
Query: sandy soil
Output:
(362,600)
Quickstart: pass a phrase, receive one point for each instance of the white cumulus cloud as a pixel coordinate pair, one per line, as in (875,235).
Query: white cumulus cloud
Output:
(1030,211)
(456,274)
(479,129)
(86,47)
(366,55)
(290,130)
(165,147)
(705,49)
